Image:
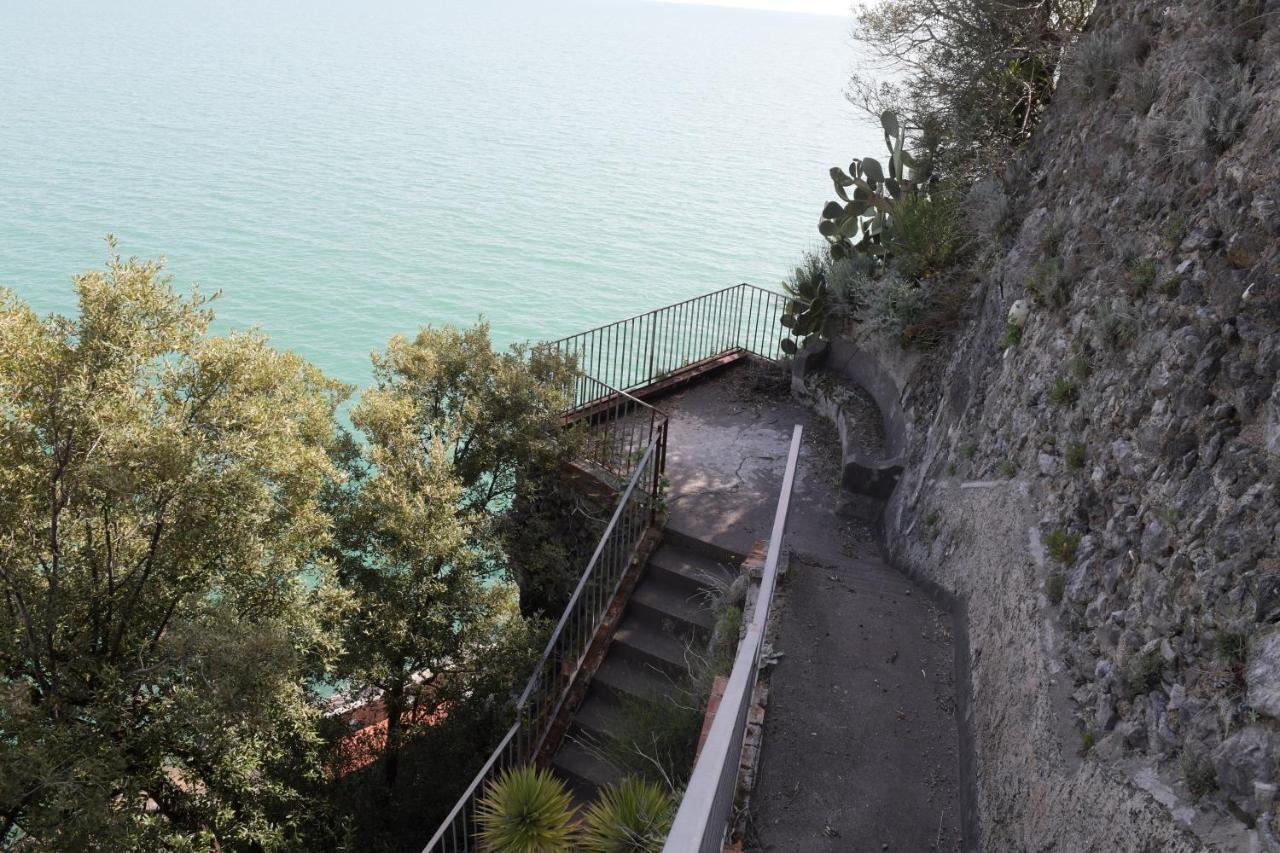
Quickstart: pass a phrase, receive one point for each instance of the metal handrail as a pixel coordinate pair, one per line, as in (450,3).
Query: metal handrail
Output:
(703,817)
(623,426)
(566,649)
(638,351)
(613,360)
(601,598)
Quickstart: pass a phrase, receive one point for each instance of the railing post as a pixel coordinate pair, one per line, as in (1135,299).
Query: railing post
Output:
(737,334)
(653,338)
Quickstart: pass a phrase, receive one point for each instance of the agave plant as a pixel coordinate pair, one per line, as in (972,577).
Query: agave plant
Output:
(526,810)
(870,193)
(632,816)
(809,308)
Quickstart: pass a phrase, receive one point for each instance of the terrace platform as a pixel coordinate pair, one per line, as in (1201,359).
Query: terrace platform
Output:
(860,746)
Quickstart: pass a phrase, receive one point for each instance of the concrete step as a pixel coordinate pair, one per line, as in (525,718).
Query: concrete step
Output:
(672,602)
(596,718)
(643,640)
(619,677)
(689,570)
(687,542)
(581,769)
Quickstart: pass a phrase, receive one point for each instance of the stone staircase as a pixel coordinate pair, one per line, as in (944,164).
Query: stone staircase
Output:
(668,613)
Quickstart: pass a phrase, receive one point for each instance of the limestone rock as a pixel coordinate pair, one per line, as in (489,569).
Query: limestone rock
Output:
(1263,673)
(1250,755)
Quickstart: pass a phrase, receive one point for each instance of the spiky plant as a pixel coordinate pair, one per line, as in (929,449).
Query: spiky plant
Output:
(632,816)
(809,308)
(526,810)
(870,194)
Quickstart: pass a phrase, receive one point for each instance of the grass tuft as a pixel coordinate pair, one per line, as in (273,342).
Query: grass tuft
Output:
(1055,585)
(1063,392)
(1062,545)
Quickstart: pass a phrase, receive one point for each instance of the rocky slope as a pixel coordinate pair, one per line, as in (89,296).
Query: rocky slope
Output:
(1104,494)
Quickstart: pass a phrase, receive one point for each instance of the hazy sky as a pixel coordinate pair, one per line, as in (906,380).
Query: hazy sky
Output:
(808,7)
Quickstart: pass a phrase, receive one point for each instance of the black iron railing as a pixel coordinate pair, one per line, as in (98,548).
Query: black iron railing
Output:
(620,430)
(628,440)
(565,652)
(644,349)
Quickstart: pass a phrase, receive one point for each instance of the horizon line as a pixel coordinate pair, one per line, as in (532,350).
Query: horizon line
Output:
(765,6)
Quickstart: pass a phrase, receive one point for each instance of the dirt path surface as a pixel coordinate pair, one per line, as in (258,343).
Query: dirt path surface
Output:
(860,738)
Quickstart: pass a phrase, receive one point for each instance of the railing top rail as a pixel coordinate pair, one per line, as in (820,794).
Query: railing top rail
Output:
(612,392)
(697,807)
(644,314)
(474,787)
(586,575)
(770,577)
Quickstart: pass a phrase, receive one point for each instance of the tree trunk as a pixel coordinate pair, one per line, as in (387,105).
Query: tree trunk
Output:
(393,701)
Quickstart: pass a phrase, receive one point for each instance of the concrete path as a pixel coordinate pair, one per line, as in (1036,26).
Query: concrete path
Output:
(860,738)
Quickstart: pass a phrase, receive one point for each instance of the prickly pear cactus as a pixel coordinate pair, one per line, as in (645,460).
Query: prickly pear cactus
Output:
(869,194)
(807,312)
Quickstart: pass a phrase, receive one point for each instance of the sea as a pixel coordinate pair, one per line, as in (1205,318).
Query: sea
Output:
(345,171)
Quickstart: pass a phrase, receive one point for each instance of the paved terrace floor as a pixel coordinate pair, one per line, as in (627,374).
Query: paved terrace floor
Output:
(860,739)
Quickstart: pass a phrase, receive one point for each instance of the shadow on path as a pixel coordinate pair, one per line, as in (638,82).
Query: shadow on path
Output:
(860,739)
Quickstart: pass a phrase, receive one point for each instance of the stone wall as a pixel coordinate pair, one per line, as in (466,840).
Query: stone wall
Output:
(1104,495)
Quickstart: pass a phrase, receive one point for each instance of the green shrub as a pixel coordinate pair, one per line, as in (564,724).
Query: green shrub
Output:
(1141,274)
(989,210)
(1062,545)
(1143,672)
(1012,334)
(896,305)
(1063,392)
(1080,367)
(656,736)
(1143,90)
(924,235)
(1055,231)
(1075,456)
(1116,328)
(1173,230)
(1008,469)
(526,810)
(1233,646)
(1087,740)
(1198,772)
(1054,587)
(1214,116)
(633,816)
(1098,60)
(728,628)
(1048,283)
(808,313)
(848,285)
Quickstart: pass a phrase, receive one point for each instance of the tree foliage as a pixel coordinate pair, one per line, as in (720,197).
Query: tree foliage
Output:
(453,428)
(159,509)
(972,77)
(192,552)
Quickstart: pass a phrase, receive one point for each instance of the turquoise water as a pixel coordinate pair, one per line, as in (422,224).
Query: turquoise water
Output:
(345,171)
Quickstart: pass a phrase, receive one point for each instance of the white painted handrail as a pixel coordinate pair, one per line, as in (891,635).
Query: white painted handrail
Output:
(703,817)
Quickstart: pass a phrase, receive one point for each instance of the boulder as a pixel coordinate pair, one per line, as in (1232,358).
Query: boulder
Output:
(1250,755)
(1262,673)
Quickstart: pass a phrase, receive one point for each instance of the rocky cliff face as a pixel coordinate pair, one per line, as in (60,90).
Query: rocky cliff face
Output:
(1105,494)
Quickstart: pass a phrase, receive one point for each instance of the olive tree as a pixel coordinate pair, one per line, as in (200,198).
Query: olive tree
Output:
(162,612)
(453,429)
